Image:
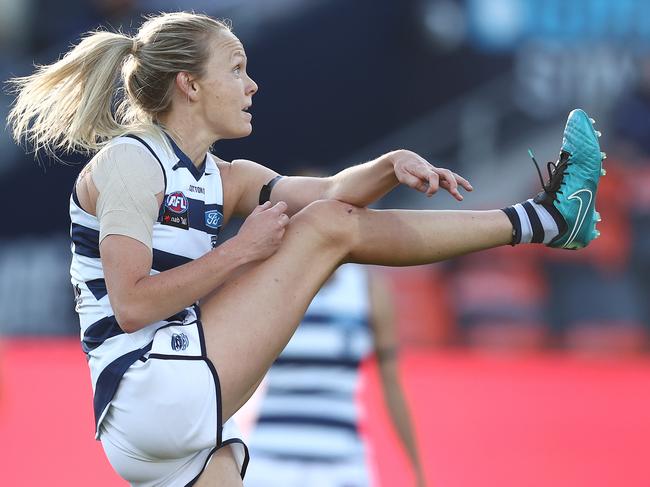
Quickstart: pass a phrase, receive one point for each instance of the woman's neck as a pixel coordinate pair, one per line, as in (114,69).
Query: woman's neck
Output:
(193,141)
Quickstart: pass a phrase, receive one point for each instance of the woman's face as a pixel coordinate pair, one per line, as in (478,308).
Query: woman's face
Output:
(225,89)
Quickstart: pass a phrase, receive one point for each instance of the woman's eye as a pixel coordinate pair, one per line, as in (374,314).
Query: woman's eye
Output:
(237,69)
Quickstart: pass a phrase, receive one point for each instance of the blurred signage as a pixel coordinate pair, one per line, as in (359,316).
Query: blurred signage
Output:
(504,24)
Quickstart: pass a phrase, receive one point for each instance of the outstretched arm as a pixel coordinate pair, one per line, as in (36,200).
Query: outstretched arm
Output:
(382,318)
(358,185)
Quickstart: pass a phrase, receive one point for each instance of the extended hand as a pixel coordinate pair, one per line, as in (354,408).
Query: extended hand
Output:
(417,173)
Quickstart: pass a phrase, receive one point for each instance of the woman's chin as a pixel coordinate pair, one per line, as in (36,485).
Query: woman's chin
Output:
(240,133)
(247,130)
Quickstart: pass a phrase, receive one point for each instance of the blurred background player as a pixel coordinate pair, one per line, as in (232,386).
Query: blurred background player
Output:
(307,431)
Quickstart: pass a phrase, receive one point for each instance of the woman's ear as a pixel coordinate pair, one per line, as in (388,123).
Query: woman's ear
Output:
(187,86)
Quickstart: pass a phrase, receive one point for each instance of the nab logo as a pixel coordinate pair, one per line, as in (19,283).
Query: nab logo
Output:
(213,218)
(180,341)
(176,202)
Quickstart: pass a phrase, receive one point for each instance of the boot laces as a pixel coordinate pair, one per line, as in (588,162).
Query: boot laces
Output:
(556,171)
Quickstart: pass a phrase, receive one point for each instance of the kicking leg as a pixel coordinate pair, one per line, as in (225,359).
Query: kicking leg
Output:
(408,237)
(251,319)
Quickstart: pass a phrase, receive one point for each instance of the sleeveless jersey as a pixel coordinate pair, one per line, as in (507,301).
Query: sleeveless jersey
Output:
(188,223)
(310,412)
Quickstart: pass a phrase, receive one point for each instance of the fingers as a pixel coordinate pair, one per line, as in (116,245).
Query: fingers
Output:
(420,177)
(283,220)
(263,231)
(280,207)
(415,182)
(433,183)
(417,173)
(439,177)
(464,183)
(448,181)
(260,208)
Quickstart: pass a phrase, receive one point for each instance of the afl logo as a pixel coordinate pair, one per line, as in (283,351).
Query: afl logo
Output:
(176,202)
(180,341)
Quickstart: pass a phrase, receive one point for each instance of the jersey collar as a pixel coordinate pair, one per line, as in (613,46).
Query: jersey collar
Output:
(206,167)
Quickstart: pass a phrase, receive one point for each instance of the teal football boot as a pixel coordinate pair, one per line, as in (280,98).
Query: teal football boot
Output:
(570,192)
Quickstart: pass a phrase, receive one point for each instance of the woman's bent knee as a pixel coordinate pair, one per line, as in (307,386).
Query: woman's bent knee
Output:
(336,222)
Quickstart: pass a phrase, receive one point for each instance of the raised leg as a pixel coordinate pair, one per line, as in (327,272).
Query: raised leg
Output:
(410,237)
(250,319)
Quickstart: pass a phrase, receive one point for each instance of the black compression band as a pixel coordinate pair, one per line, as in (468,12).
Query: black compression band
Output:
(265,192)
(513,216)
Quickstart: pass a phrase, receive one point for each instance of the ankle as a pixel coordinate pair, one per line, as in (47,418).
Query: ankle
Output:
(532,223)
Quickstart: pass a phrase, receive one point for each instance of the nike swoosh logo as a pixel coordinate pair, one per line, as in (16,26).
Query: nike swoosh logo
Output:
(581,196)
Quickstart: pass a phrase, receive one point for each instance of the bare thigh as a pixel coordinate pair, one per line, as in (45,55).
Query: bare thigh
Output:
(250,319)
(222,471)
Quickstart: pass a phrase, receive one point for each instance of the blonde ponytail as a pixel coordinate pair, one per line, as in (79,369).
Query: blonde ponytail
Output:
(110,84)
(68,105)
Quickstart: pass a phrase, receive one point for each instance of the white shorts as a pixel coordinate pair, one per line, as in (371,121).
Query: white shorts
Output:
(164,422)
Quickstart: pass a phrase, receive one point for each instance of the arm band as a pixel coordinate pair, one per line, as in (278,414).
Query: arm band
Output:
(265,192)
